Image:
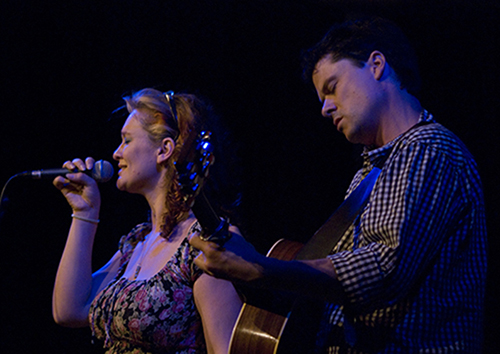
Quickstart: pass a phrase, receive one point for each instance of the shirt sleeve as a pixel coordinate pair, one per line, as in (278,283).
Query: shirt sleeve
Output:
(416,200)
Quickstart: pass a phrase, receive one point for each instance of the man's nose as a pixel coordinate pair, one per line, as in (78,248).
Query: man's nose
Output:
(328,108)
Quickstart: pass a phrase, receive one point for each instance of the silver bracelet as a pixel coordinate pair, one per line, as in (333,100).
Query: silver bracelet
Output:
(93,221)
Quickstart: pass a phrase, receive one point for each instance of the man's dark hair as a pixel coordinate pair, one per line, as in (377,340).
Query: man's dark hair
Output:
(357,39)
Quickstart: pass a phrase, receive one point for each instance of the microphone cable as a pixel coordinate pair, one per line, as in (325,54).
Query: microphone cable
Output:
(2,204)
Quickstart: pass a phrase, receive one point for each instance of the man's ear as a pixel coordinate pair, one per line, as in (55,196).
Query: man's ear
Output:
(165,150)
(378,65)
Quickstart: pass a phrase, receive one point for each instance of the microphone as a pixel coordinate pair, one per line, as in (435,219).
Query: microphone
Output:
(101,172)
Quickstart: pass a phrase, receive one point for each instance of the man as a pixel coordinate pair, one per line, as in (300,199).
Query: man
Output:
(408,276)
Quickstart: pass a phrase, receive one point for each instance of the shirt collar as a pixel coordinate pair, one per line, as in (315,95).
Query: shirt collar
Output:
(377,156)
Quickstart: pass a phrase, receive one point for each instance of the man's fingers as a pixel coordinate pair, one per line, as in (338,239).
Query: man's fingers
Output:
(200,262)
(195,240)
(205,246)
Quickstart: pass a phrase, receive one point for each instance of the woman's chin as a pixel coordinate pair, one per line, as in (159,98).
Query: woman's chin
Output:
(120,185)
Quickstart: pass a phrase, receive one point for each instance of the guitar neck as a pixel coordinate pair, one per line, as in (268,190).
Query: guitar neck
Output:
(205,214)
(214,228)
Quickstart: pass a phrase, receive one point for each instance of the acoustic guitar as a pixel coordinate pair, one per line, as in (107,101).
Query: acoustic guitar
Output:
(261,324)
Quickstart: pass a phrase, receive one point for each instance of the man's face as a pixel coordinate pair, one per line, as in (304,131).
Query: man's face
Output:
(350,97)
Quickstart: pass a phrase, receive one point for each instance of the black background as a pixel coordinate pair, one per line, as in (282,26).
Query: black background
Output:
(65,66)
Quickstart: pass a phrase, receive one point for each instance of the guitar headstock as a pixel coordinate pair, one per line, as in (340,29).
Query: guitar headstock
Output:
(193,166)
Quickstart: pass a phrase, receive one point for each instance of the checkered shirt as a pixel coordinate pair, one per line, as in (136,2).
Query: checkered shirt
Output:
(413,264)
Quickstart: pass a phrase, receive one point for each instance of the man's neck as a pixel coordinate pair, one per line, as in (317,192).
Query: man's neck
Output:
(403,112)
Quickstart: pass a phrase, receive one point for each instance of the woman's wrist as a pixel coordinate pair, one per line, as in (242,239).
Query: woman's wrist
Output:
(91,217)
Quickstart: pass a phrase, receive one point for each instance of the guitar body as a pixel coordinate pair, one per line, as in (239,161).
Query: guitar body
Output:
(257,331)
(260,328)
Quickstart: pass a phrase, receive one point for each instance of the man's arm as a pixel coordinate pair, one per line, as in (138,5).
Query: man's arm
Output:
(238,261)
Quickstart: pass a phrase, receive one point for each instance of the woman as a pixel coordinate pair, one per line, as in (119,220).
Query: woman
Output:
(149,298)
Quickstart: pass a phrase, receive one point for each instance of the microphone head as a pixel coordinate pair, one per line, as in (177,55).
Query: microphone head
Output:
(103,171)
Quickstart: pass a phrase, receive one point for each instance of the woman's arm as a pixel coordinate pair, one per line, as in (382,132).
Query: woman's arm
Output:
(75,286)
(219,305)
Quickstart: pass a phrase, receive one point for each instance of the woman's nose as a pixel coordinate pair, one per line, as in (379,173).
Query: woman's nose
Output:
(117,153)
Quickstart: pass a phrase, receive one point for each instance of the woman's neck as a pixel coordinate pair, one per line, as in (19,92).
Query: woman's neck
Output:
(157,206)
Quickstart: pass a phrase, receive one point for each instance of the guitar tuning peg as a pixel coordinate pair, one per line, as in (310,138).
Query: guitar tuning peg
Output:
(205,167)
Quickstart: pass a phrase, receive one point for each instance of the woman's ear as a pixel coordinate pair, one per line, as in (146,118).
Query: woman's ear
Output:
(165,150)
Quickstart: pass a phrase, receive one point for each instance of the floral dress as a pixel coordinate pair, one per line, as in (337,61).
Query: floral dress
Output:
(156,315)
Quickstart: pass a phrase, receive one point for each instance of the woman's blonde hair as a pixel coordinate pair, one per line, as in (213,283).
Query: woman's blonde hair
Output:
(163,119)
